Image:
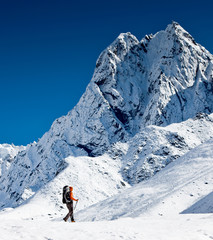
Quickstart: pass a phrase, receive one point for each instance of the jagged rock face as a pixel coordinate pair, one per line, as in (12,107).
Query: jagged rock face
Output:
(162,79)
(123,84)
(7,155)
(182,69)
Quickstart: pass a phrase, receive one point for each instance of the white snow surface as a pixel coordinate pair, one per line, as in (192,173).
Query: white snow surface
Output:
(159,208)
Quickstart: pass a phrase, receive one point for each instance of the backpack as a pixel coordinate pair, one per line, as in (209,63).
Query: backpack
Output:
(66,194)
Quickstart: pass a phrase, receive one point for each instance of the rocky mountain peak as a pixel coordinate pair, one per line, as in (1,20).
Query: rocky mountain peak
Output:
(117,50)
(123,43)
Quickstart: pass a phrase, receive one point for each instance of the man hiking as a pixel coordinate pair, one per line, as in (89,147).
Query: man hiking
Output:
(68,199)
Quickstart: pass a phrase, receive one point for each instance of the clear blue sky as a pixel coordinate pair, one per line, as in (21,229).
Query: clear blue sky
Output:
(48,51)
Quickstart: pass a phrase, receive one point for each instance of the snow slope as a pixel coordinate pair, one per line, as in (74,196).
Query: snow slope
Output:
(149,210)
(95,179)
(173,190)
(155,147)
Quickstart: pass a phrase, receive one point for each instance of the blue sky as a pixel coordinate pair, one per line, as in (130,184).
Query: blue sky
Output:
(48,51)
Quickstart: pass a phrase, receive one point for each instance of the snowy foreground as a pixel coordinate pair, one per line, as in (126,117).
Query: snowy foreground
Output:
(177,203)
(157,228)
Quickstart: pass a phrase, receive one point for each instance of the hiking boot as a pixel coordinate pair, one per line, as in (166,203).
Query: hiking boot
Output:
(65,219)
(73,221)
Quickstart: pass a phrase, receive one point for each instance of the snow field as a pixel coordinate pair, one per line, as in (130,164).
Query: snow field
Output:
(186,227)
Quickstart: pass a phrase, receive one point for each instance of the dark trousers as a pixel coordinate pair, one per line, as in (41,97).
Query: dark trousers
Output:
(70,213)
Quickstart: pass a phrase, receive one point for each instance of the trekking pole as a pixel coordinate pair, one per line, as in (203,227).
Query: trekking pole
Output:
(74,209)
(75,206)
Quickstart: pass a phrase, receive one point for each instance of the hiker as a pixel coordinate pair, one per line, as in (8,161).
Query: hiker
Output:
(68,199)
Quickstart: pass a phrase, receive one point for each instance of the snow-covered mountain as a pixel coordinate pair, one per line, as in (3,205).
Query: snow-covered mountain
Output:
(153,148)
(7,155)
(148,103)
(157,208)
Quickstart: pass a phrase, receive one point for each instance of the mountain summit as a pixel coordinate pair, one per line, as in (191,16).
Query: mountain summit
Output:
(139,88)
